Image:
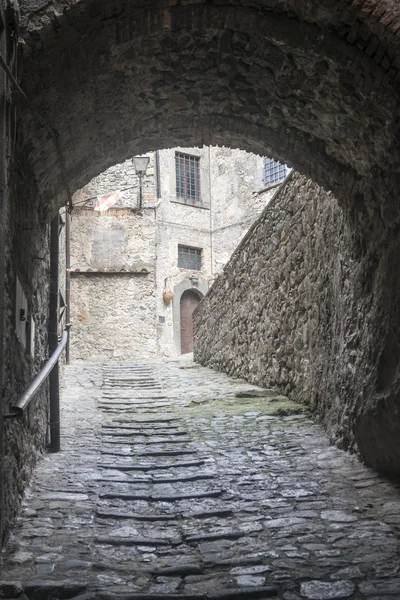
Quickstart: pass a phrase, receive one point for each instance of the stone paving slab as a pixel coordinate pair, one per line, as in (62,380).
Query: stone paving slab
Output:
(175,481)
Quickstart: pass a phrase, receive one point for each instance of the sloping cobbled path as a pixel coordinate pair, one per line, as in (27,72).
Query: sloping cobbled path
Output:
(173,482)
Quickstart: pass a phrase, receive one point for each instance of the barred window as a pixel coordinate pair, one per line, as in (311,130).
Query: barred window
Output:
(187,169)
(189,258)
(273,171)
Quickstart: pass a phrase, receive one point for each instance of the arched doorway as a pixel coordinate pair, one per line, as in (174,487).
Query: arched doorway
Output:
(199,287)
(190,299)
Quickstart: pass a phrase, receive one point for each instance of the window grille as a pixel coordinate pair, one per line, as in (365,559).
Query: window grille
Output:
(189,258)
(274,171)
(187,178)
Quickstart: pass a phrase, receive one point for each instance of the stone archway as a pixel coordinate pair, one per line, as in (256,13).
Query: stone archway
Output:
(315,84)
(198,287)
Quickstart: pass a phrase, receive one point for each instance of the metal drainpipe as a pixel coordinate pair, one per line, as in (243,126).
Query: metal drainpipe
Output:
(140,191)
(158,175)
(53,336)
(67,281)
(156,200)
(211,219)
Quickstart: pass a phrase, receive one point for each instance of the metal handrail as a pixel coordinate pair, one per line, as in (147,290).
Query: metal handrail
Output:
(18,409)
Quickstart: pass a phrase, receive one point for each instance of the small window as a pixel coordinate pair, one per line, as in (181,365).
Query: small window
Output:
(187,169)
(189,258)
(273,172)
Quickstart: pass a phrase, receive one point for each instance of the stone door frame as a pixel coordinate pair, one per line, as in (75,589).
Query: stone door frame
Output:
(200,287)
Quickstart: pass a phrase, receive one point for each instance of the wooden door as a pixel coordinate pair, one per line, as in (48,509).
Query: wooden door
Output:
(189,301)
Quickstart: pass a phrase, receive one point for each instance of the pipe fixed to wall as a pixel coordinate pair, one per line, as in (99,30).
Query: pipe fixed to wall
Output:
(53,334)
(68,280)
(18,409)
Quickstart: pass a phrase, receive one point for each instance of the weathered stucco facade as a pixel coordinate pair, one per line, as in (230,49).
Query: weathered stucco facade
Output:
(299,309)
(239,196)
(113,270)
(112,284)
(118,310)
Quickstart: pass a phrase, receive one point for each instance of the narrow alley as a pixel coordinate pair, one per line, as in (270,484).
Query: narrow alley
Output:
(175,481)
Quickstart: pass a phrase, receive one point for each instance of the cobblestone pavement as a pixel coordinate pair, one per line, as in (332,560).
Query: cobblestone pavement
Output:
(175,481)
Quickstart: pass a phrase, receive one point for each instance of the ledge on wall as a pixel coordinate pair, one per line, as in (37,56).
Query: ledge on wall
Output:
(135,270)
(203,205)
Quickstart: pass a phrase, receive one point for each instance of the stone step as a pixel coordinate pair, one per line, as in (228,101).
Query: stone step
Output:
(243,594)
(154,453)
(152,421)
(105,513)
(102,595)
(133,409)
(162,480)
(159,441)
(211,537)
(112,514)
(147,432)
(134,394)
(161,497)
(138,541)
(150,467)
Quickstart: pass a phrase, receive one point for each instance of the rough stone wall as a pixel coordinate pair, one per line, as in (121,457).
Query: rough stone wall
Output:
(27,259)
(113,317)
(302,308)
(112,284)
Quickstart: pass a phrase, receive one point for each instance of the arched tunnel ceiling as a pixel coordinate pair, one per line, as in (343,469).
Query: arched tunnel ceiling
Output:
(314,83)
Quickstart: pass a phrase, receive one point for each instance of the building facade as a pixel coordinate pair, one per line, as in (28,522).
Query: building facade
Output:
(137,275)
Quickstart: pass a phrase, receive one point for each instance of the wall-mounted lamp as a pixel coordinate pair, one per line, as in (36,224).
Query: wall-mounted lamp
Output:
(140,163)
